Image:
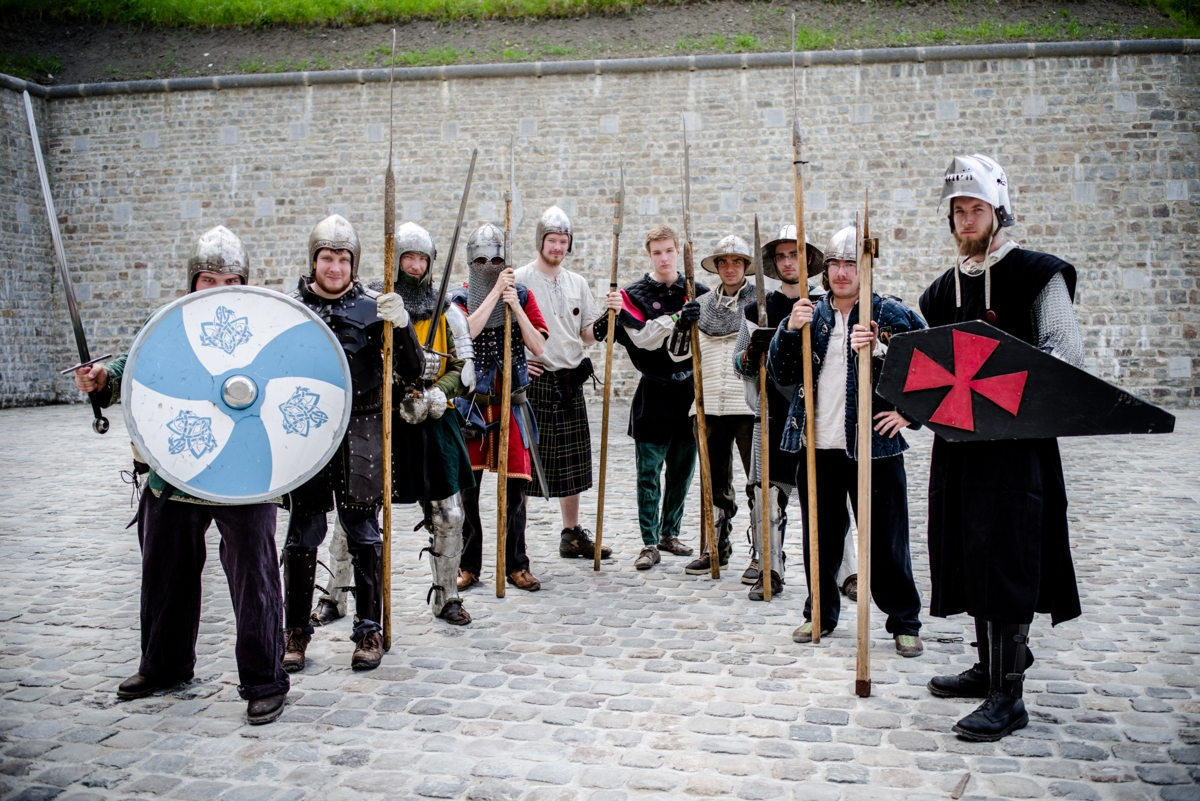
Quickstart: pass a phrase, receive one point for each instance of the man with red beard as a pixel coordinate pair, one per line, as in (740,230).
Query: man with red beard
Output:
(998,542)
(556,376)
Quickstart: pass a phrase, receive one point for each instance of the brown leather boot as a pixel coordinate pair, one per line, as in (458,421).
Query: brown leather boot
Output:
(295,643)
(369,652)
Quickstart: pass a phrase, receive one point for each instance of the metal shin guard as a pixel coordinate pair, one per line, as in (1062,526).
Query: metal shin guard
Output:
(778,527)
(368,584)
(445,550)
(1009,657)
(299,577)
(340,568)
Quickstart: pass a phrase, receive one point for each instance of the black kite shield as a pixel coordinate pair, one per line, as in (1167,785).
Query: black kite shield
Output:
(972,382)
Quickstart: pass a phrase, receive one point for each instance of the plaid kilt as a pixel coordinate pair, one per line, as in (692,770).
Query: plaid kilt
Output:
(564,440)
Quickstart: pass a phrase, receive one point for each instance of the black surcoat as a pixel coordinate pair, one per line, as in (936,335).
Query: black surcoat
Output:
(998,541)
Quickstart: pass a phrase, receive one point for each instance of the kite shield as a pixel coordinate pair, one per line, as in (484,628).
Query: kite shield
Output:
(236,395)
(972,382)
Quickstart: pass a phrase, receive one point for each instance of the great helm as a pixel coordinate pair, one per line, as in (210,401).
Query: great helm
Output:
(487,241)
(843,246)
(412,238)
(336,233)
(553,221)
(788,234)
(980,177)
(732,245)
(218,250)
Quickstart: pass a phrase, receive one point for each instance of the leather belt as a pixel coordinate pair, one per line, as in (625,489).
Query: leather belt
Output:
(518,397)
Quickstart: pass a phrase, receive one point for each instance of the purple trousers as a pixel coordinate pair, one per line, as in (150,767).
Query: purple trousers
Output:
(171,534)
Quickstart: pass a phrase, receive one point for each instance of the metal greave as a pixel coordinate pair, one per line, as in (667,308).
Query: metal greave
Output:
(445,550)
(299,577)
(778,527)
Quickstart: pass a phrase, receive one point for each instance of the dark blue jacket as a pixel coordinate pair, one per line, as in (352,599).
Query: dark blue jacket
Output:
(784,364)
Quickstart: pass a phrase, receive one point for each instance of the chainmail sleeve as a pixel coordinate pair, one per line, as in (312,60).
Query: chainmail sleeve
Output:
(1055,324)
(739,347)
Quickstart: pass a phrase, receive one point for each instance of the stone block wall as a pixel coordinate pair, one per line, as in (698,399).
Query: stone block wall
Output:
(31,328)
(1101,153)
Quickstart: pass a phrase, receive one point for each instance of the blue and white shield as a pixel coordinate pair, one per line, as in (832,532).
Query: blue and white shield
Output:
(236,395)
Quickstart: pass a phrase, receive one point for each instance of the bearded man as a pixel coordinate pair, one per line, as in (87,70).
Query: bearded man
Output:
(998,541)
(349,481)
(557,375)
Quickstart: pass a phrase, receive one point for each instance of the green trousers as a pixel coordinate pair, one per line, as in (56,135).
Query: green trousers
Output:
(679,456)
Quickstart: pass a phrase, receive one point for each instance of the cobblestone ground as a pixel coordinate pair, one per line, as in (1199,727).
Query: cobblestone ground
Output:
(610,685)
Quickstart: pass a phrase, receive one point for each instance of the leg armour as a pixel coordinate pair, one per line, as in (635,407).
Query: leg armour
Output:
(368,583)
(445,550)
(299,577)
(340,568)
(778,526)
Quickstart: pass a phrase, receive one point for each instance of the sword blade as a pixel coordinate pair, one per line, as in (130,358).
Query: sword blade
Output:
(441,298)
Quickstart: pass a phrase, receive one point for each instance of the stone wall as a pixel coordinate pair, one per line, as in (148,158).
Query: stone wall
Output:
(1101,153)
(31,329)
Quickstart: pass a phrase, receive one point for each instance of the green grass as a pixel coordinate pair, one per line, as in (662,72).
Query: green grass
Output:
(307,12)
(29,66)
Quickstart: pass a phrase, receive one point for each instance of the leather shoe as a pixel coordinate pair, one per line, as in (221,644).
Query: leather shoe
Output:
(454,614)
(648,558)
(673,545)
(998,716)
(139,686)
(971,683)
(909,645)
(265,710)
(750,574)
(325,613)
(578,542)
(465,579)
(804,633)
(368,653)
(850,587)
(756,592)
(295,644)
(524,580)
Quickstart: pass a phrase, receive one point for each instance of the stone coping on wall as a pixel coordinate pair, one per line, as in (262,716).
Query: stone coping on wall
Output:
(810,58)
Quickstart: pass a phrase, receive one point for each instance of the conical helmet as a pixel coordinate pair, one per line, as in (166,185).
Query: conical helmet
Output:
(412,238)
(842,246)
(336,233)
(487,241)
(732,245)
(553,221)
(218,250)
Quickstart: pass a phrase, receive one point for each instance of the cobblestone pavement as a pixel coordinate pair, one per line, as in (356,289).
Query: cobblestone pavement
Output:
(610,685)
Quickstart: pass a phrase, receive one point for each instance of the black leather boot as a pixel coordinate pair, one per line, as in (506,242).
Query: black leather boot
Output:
(299,578)
(368,599)
(971,683)
(1003,711)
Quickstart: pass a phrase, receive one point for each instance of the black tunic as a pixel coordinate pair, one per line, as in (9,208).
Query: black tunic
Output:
(783,463)
(998,542)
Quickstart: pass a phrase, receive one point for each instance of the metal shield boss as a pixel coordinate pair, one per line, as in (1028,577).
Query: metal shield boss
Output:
(236,395)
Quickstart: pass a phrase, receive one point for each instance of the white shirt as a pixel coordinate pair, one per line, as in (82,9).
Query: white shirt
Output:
(831,389)
(568,307)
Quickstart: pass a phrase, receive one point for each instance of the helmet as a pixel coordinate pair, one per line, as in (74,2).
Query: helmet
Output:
(336,233)
(487,241)
(980,177)
(731,245)
(218,250)
(788,234)
(412,238)
(842,246)
(553,221)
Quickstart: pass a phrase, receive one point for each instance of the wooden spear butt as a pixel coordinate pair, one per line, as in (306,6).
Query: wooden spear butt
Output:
(862,688)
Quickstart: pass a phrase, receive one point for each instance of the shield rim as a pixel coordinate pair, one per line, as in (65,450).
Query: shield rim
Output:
(139,442)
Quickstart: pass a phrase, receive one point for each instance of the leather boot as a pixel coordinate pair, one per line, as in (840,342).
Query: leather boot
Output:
(368,599)
(299,577)
(701,565)
(1003,711)
(972,682)
(578,542)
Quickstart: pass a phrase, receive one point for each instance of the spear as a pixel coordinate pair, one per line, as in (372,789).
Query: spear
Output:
(810,431)
(868,249)
(708,538)
(618,221)
(389,284)
(764,455)
(505,388)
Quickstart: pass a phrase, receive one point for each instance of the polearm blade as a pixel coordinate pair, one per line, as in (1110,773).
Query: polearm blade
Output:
(618,224)
(764,429)
(810,430)
(100,423)
(708,537)
(389,284)
(441,298)
(868,249)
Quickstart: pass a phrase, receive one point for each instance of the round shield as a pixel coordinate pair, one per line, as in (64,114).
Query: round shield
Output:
(236,395)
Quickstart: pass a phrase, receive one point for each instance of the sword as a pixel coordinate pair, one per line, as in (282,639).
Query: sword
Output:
(100,423)
(441,298)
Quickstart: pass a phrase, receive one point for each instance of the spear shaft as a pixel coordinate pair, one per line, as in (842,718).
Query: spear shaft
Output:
(618,222)
(868,249)
(764,432)
(505,390)
(389,284)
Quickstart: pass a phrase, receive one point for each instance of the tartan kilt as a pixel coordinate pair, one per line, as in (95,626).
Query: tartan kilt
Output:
(564,439)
